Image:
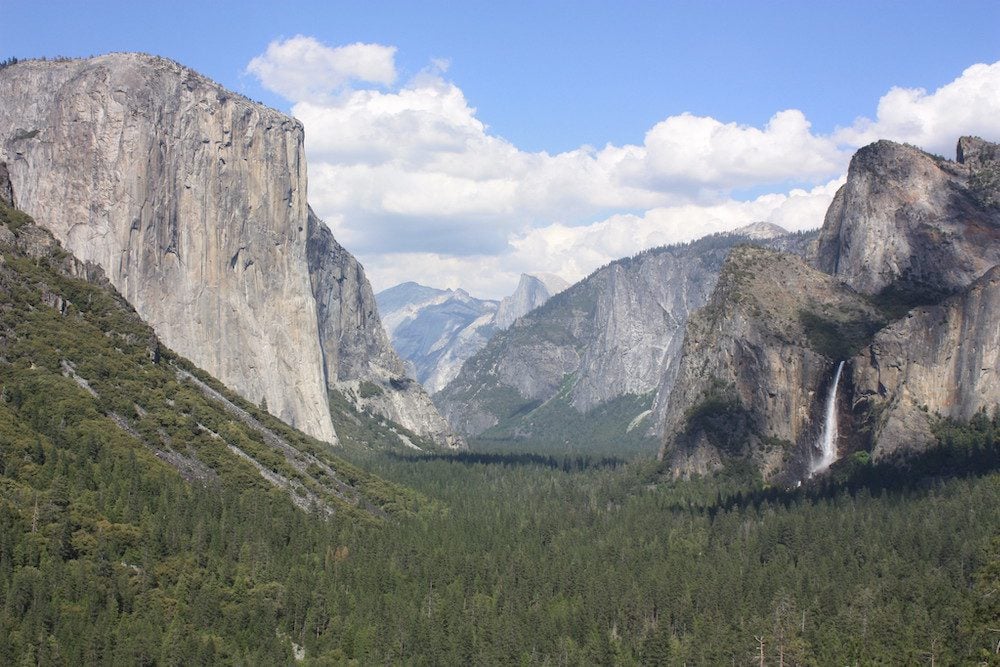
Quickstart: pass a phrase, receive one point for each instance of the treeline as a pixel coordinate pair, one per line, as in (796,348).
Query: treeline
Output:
(528,564)
(619,566)
(109,556)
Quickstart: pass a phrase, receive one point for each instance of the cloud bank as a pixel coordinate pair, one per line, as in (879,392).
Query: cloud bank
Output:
(412,181)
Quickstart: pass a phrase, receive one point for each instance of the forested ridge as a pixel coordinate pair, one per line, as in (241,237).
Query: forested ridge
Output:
(131,533)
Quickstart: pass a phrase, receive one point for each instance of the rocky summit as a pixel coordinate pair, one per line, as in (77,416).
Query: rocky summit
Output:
(913,223)
(903,301)
(532,291)
(436,330)
(193,200)
(600,357)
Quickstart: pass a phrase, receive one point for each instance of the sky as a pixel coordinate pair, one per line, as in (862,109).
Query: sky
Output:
(458,144)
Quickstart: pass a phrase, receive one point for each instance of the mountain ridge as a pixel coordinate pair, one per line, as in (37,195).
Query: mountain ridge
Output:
(189,185)
(911,242)
(614,336)
(436,330)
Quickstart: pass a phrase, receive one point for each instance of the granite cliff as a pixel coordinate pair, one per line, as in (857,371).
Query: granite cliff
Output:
(358,358)
(756,363)
(913,224)
(83,374)
(596,357)
(436,330)
(904,293)
(532,291)
(193,200)
(940,360)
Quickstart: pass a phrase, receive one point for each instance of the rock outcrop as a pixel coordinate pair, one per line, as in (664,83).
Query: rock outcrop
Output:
(909,303)
(615,334)
(355,347)
(912,224)
(532,291)
(938,361)
(6,189)
(435,330)
(193,200)
(757,363)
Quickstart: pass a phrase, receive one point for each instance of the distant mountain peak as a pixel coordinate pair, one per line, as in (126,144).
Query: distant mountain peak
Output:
(760,230)
(553,283)
(532,291)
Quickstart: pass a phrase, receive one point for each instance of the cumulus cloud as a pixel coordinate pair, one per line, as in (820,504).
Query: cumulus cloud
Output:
(933,121)
(575,251)
(687,150)
(412,180)
(301,68)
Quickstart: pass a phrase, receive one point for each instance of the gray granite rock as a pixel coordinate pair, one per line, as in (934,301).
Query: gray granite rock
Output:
(193,200)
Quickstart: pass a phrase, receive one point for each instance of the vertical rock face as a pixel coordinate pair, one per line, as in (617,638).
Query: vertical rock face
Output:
(756,363)
(6,189)
(908,228)
(941,360)
(615,334)
(355,346)
(914,228)
(910,222)
(193,200)
(532,291)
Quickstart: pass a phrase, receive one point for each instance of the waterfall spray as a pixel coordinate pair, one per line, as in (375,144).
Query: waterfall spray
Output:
(827,444)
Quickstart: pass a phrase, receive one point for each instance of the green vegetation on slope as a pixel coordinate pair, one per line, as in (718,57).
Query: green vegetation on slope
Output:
(611,565)
(127,474)
(617,427)
(109,556)
(362,429)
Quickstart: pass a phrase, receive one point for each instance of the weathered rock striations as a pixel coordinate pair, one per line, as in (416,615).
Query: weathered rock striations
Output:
(615,334)
(355,346)
(938,361)
(756,363)
(906,229)
(6,189)
(192,199)
(911,223)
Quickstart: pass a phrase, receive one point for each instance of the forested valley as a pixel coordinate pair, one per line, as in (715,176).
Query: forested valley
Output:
(150,517)
(517,559)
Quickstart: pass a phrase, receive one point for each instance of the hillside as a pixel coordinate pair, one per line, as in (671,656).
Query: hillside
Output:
(194,202)
(132,474)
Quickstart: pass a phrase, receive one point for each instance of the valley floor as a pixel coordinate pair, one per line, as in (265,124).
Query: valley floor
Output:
(518,558)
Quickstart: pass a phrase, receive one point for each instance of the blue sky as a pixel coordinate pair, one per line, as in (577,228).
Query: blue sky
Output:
(544,79)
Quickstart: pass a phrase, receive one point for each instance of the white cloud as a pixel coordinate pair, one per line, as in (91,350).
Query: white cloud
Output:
(687,150)
(934,121)
(575,251)
(413,181)
(301,68)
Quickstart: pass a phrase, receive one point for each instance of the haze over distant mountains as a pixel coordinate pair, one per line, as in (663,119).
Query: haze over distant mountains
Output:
(436,330)
(597,361)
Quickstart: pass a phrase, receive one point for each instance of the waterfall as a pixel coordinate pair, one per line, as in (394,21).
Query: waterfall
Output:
(827,444)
